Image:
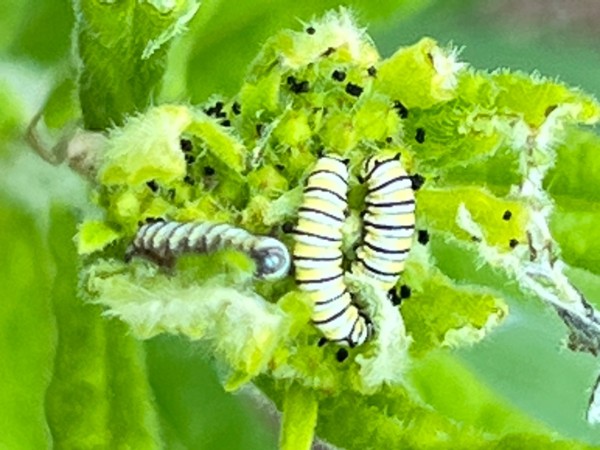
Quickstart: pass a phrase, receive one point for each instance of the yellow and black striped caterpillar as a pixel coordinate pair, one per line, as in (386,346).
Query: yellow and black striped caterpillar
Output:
(318,256)
(388,221)
(164,241)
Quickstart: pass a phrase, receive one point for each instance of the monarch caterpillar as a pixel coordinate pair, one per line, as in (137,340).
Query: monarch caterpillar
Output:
(389,220)
(163,241)
(318,256)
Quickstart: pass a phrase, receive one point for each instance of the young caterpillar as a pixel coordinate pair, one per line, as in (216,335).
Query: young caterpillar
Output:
(389,221)
(164,241)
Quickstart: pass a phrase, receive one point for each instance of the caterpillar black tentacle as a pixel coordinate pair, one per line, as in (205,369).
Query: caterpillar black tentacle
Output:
(164,241)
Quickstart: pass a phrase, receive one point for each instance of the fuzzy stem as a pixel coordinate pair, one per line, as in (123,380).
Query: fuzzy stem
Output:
(544,273)
(300,409)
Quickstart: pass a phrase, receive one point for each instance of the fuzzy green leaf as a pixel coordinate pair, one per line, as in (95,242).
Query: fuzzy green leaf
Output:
(123,48)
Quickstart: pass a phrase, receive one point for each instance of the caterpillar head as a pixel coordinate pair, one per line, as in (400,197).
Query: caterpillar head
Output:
(334,163)
(374,161)
(272,259)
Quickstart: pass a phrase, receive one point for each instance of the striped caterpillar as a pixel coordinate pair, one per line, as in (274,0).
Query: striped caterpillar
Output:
(164,241)
(389,221)
(318,257)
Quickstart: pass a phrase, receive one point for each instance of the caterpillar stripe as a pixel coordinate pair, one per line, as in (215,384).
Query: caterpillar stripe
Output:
(164,241)
(389,221)
(317,254)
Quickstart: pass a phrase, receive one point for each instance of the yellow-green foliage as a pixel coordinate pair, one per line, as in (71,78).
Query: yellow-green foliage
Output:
(323,89)
(307,93)
(440,210)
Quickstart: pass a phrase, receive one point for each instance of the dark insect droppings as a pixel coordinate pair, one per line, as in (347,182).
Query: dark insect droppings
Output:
(401,109)
(423,237)
(189,180)
(208,171)
(215,110)
(154,219)
(190,159)
(389,139)
(372,71)
(513,243)
(297,87)
(280,167)
(152,185)
(417,181)
(303,87)
(507,215)
(226,123)
(186,145)
(353,89)
(341,355)
(405,291)
(236,108)
(338,75)
(311,30)
(322,342)
(420,135)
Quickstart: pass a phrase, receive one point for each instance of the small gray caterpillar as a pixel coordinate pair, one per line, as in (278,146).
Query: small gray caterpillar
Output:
(164,241)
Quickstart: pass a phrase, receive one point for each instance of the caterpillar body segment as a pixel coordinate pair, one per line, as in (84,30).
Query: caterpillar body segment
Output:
(356,327)
(388,221)
(164,241)
(318,257)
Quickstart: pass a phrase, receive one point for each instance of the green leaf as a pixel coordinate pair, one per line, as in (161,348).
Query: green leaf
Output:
(99,394)
(576,229)
(576,175)
(194,410)
(439,209)
(474,311)
(28,333)
(62,105)
(123,48)
(433,75)
(442,379)
(135,156)
(94,235)
(536,97)
(300,409)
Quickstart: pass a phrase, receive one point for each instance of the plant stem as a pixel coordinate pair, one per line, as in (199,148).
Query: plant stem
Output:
(300,408)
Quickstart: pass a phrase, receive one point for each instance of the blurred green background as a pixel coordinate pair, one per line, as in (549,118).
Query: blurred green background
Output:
(524,361)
